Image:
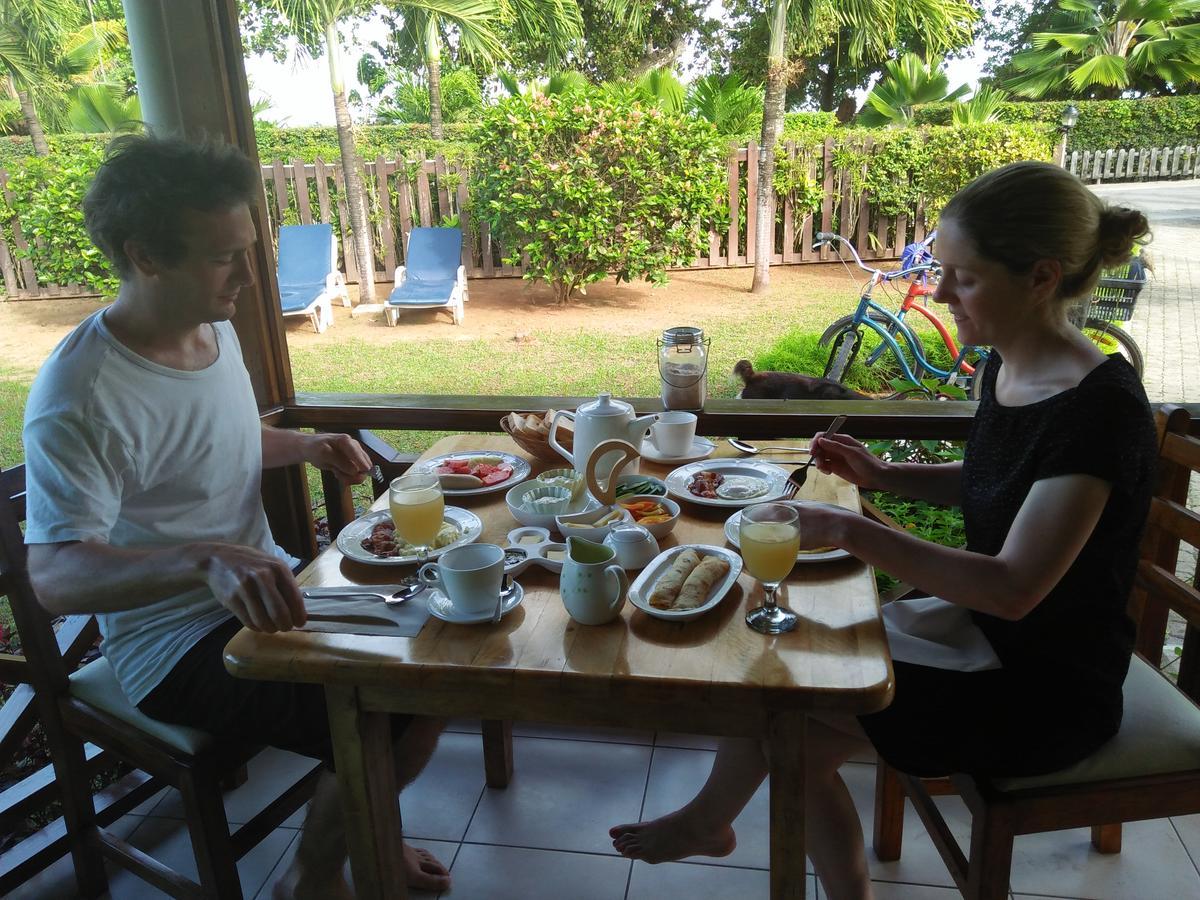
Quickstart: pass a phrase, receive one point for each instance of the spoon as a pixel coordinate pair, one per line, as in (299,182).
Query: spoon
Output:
(407,592)
(504,595)
(752,450)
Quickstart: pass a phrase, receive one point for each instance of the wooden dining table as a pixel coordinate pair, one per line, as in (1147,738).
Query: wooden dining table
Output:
(712,675)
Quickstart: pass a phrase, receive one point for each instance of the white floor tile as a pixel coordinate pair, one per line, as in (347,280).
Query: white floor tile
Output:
(701,882)
(146,807)
(438,805)
(676,776)
(564,795)
(569,733)
(1152,863)
(1188,828)
(268,775)
(57,880)
(514,873)
(167,840)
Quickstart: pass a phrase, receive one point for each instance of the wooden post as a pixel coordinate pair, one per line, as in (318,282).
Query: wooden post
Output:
(827,185)
(751,195)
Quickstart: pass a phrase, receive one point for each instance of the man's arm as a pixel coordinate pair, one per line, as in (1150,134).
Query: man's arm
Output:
(339,453)
(93,577)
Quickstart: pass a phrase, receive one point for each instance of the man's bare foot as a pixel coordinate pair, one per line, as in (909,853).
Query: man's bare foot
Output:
(674,836)
(423,870)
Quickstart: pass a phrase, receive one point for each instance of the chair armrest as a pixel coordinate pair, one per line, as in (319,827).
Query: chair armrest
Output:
(401,274)
(462,275)
(333,281)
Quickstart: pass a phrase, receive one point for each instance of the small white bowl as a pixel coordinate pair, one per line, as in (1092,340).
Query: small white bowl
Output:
(580,524)
(568,478)
(515,499)
(659,529)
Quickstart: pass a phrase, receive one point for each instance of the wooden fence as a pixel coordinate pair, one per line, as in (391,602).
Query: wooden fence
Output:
(1145,164)
(422,192)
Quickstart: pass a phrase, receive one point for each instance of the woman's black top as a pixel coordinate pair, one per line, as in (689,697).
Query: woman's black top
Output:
(1076,643)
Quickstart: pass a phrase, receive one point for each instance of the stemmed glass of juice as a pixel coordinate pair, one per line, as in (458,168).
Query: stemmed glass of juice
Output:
(769,535)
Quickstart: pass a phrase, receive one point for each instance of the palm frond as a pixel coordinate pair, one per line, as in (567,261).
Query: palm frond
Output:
(1104,70)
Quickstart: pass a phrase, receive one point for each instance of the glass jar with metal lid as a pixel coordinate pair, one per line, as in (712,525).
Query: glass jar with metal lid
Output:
(683,368)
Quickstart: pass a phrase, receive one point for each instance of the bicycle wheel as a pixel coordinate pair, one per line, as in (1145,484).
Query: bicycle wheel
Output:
(889,325)
(1111,339)
(976,390)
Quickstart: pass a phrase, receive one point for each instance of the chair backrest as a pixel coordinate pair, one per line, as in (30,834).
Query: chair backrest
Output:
(1171,522)
(307,253)
(434,254)
(47,668)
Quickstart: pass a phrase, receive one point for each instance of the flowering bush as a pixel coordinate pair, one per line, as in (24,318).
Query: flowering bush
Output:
(587,184)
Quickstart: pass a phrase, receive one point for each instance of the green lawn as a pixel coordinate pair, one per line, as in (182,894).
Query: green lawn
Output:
(14,390)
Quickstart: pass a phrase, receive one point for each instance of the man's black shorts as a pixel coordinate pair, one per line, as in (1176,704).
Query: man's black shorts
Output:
(199,692)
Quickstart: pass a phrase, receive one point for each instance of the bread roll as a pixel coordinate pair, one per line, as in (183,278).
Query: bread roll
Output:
(695,589)
(666,591)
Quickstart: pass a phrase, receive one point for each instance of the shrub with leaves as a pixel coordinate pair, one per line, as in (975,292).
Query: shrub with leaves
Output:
(48,193)
(588,184)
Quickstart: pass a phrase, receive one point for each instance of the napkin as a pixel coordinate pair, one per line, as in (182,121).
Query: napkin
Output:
(409,616)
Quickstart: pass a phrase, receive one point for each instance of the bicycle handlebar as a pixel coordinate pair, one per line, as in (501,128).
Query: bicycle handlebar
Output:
(828,237)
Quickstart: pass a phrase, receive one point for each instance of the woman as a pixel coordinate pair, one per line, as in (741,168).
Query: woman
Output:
(1014,664)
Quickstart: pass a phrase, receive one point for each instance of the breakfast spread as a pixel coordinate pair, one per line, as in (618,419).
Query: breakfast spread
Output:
(382,541)
(646,512)
(488,469)
(687,583)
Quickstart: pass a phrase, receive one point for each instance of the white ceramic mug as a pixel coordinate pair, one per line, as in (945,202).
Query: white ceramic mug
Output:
(469,576)
(674,433)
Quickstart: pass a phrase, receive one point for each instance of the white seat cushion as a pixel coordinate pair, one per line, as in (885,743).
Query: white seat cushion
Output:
(96,684)
(1160,733)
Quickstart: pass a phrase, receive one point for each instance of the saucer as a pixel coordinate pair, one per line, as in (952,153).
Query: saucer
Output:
(701,448)
(439,606)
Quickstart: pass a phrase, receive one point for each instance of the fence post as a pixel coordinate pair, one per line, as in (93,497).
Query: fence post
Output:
(827,185)
(751,198)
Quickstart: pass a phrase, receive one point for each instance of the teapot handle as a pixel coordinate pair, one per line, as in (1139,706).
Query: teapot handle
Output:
(560,414)
(608,495)
(622,585)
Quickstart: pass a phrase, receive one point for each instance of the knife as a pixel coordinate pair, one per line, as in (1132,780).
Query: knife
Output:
(352,619)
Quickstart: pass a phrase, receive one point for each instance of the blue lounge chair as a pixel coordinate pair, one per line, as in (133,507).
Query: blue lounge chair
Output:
(308,275)
(434,277)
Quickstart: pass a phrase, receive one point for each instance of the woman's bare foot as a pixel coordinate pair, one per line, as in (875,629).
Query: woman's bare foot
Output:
(423,870)
(674,836)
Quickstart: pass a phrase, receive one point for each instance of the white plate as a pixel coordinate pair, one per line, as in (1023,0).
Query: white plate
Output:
(774,476)
(440,607)
(350,540)
(643,585)
(521,470)
(804,556)
(701,448)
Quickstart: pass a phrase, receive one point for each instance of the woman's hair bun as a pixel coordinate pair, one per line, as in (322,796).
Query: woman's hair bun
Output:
(1120,226)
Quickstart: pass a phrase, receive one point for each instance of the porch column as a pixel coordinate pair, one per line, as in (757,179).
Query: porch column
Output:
(187,55)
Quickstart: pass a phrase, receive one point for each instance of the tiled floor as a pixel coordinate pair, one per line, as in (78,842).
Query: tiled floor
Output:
(544,838)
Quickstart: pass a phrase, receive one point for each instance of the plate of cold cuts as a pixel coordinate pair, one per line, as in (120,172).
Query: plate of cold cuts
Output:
(731,483)
(478,471)
(372,538)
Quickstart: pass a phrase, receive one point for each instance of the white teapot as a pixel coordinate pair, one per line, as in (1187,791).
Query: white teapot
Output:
(601,420)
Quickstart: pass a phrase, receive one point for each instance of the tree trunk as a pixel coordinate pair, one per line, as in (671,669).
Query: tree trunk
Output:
(772,127)
(829,79)
(356,192)
(34,125)
(433,62)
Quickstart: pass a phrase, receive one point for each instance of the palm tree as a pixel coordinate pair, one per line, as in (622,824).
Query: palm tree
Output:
(907,82)
(985,106)
(316,23)
(1099,47)
(103,108)
(558,83)
(31,34)
(733,106)
(805,28)
(408,100)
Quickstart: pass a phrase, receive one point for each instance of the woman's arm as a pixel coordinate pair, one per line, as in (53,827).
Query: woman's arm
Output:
(842,455)
(1053,524)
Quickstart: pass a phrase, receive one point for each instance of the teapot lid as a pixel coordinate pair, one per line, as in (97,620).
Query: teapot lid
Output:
(605,405)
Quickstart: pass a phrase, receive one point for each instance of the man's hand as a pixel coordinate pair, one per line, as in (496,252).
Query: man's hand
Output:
(338,453)
(256,587)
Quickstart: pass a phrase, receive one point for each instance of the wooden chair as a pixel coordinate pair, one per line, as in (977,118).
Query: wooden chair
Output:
(87,705)
(1150,770)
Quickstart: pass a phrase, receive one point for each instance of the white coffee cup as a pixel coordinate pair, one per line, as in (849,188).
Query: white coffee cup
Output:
(469,576)
(674,433)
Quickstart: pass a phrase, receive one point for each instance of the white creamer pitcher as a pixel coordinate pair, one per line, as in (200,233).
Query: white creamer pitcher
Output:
(593,586)
(601,420)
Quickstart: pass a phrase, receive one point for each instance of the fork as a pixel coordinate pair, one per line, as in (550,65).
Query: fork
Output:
(799,476)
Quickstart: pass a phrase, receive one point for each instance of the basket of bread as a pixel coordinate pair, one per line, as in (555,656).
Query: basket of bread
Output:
(532,434)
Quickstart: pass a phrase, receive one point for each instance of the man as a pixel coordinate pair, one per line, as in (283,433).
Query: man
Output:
(144,457)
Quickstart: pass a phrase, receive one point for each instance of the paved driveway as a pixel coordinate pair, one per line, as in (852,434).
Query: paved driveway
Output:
(1166,322)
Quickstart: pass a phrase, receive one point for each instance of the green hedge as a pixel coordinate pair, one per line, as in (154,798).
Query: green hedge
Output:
(1150,122)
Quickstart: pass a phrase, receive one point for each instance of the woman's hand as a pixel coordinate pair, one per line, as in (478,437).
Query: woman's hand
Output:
(822,527)
(842,455)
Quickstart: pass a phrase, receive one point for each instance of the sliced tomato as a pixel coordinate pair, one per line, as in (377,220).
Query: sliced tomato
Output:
(446,470)
(454,467)
(496,475)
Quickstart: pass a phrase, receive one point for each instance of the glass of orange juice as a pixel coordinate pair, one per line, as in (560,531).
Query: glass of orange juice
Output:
(769,535)
(417,507)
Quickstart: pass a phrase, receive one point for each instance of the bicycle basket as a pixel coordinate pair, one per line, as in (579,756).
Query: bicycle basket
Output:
(1116,293)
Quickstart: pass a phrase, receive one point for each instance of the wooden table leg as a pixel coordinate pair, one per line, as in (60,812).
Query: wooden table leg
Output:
(366,773)
(785,745)
(497,752)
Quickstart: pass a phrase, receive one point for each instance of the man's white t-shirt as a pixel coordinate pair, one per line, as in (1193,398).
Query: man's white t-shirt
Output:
(122,450)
